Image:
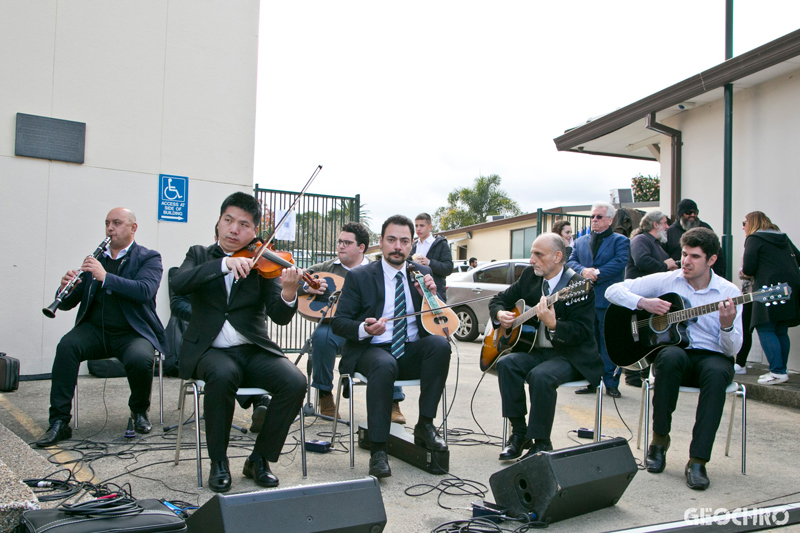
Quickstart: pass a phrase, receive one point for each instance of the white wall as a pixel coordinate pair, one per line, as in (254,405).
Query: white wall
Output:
(164,88)
(766,165)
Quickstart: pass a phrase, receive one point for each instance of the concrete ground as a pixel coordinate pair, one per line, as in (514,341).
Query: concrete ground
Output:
(772,451)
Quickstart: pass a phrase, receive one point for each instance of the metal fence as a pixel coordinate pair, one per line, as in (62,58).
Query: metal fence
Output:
(581,224)
(318,220)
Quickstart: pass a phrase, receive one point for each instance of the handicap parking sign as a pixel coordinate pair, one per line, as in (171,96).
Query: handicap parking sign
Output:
(173,198)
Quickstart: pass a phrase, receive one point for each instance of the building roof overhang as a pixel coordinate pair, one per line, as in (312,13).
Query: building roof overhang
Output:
(622,133)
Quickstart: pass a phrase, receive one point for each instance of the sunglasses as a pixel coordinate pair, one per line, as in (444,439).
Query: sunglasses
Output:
(690,213)
(598,217)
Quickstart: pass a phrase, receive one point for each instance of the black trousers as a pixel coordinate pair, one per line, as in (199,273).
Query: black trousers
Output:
(543,371)
(712,372)
(227,369)
(427,359)
(87,341)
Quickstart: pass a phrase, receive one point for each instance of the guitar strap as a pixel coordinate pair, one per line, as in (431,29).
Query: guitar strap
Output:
(566,277)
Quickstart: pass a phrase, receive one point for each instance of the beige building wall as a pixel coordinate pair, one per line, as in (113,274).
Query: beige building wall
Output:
(765,165)
(489,243)
(164,88)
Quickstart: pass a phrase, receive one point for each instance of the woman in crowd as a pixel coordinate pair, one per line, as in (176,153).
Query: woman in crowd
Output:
(564,229)
(771,258)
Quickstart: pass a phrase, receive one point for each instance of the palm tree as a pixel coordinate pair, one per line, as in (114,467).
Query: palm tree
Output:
(471,205)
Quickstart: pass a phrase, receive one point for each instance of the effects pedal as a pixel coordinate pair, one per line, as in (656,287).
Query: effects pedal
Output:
(401,445)
(318,446)
(584,433)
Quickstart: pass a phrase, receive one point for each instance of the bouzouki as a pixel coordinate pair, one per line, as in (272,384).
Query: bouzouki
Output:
(633,338)
(312,306)
(439,319)
(519,338)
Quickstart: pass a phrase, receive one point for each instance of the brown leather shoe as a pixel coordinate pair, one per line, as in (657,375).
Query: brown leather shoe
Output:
(397,416)
(327,407)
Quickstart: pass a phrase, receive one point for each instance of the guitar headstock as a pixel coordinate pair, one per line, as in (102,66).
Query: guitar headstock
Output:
(575,291)
(772,295)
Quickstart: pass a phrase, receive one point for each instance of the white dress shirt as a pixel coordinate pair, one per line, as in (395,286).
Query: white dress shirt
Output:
(705,332)
(122,253)
(228,336)
(423,247)
(389,284)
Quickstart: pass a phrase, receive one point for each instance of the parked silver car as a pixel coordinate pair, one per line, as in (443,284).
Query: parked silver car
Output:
(486,280)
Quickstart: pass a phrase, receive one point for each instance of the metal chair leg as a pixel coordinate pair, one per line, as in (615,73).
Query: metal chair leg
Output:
(598,413)
(303,443)
(744,428)
(444,412)
(352,423)
(336,418)
(505,430)
(646,392)
(161,388)
(641,412)
(196,394)
(75,407)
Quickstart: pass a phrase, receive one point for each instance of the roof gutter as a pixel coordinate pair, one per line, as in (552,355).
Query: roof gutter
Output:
(768,55)
(675,159)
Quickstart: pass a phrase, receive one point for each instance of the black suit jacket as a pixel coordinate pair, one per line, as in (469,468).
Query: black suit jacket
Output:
(574,335)
(252,299)
(135,284)
(363,296)
(441,264)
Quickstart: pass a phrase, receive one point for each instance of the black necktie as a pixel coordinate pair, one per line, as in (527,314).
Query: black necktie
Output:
(545,288)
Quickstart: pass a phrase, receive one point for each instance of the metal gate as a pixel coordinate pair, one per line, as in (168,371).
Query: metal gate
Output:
(581,224)
(318,219)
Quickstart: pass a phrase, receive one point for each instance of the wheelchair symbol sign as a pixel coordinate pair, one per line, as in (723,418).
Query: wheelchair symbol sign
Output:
(173,198)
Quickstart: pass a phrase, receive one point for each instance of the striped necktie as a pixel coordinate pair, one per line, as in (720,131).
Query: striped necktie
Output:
(399,333)
(545,288)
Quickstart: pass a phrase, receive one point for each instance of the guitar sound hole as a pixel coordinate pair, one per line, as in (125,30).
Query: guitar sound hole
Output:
(440,320)
(659,323)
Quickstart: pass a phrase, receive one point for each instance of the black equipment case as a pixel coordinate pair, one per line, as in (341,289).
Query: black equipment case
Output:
(9,373)
(155,518)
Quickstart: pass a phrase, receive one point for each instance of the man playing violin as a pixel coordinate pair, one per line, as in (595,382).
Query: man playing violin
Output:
(564,350)
(117,318)
(227,345)
(386,350)
(325,345)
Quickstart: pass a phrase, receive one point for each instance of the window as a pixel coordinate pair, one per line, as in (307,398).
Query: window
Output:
(498,274)
(521,241)
(518,269)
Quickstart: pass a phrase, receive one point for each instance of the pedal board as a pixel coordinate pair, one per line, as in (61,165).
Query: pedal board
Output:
(401,445)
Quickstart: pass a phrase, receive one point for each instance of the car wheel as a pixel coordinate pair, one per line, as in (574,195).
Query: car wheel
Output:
(468,329)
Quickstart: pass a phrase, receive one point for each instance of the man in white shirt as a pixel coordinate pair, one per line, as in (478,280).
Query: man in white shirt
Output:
(707,362)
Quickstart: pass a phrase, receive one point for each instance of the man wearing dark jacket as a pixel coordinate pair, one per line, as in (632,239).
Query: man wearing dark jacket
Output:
(433,252)
(647,255)
(117,318)
(688,218)
(227,344)
(564,350)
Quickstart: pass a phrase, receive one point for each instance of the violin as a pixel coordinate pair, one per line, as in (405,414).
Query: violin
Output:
(270,263)
(436,317)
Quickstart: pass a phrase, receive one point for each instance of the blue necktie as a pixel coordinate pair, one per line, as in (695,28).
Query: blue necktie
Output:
(399,333)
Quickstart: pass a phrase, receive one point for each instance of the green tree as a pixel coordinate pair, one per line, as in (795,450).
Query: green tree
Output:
(471,205)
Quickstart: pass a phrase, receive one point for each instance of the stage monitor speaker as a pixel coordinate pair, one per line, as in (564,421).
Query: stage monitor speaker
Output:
(340,507)
(566,483)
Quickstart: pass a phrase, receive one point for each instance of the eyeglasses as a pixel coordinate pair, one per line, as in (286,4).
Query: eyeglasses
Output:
(598,217)
(690,213)
(340,242)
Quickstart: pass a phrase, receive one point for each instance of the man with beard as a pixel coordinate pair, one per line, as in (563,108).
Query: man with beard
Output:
(647,255)
(688,218)
(385,349)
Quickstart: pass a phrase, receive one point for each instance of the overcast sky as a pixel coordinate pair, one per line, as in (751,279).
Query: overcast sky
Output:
(402,102)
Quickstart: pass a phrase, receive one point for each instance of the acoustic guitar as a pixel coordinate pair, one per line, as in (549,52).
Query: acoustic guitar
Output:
(633,338)
(519,338)
(312,306)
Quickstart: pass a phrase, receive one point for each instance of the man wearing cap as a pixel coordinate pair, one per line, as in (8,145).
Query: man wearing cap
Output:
(688,218)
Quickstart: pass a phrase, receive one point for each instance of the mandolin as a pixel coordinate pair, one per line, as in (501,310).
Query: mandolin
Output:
(436,318)
(521,337)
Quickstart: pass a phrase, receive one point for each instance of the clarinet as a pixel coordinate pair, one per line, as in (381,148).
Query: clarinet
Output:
(50,311)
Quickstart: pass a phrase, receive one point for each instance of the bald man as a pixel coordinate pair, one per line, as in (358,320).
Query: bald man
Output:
(564,350)
(116,318)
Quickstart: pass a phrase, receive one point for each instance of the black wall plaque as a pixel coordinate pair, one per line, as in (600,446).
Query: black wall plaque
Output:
(50,138)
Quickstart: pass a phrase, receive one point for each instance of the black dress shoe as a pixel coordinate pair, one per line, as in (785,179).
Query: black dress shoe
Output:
(514,447)
(696,477)
(58,431)
(613,392)
(537,447)
(260,413)
(586,390)
(259,471)
(379,465)
(219,480)
(425,435)
(140,423)
(656,459)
